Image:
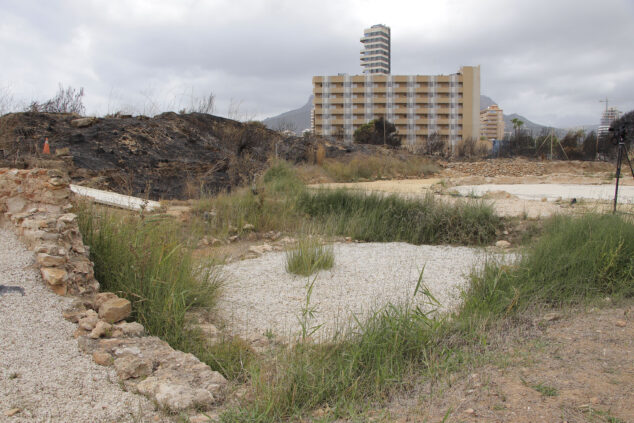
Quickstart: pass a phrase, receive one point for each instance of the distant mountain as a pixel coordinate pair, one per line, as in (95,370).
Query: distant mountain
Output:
(295,120)
(299,119)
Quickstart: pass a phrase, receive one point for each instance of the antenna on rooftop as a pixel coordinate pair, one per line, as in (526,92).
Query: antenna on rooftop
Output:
(606,103)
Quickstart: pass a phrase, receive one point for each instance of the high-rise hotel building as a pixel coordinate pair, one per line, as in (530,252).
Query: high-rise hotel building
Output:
(492,123)
(375,56)
(419,105)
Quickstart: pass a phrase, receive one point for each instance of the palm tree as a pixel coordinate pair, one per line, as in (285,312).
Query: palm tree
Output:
(517,124)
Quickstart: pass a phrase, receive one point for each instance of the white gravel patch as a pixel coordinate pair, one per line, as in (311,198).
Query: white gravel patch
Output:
(553,192)
(260,295)
(42,371)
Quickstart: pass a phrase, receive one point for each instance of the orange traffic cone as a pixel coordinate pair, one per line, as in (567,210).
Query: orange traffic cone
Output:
(47,148)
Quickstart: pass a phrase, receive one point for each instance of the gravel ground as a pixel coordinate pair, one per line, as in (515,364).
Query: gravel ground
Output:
(553,192)
(42,371)
(260,295)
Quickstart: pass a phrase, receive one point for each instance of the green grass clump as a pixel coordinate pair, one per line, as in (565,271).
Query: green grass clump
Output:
(576,259)
(309,257)
(384,218)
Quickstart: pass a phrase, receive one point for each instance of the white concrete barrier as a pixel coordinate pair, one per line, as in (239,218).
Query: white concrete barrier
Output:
(117,200)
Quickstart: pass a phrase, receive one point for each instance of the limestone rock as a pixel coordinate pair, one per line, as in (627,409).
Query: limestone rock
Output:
(132,329)
(83,122)
(89,321)
(47,260)
(132,367)
(502,244)
(101,328)
(115,310)
(174,396)
(53,275)
(102,297)
(102,358)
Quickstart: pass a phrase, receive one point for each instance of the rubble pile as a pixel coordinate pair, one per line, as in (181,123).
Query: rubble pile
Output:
(496,167)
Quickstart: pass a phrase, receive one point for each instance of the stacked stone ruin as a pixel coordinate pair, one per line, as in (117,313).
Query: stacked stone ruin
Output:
(37,204)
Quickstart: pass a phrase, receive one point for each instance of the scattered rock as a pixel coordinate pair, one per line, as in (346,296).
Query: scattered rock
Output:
(132,367)
(260,249)
(11,412)
(115,310)
(502,244)
(551,317)
(132,329)
(89,321)
(53,275)
(83,122)
(102,297)
(102,358)
(203,418)
(101,328)
(47,260)
(620,323)
(469,411)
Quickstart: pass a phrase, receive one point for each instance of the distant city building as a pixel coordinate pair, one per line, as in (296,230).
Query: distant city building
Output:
(375,56)
(609,115)
(447,106)
(492,123)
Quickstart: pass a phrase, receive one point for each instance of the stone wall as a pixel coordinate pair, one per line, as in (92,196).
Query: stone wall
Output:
(37,203)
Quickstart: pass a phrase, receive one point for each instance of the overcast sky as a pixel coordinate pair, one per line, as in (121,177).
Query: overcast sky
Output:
(548,60)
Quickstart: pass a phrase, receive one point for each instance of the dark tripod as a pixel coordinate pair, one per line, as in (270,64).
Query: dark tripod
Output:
(620,136)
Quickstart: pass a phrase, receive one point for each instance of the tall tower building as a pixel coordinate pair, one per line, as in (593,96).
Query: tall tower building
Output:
(375,56)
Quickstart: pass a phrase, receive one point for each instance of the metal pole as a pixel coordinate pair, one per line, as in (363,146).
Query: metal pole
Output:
(618,174)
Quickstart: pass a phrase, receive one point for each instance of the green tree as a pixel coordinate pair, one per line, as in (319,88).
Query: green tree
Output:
(378,131)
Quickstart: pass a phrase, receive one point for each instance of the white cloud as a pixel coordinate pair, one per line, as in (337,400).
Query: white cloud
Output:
(548,60)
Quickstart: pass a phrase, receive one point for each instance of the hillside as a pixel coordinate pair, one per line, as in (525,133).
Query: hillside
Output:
(296,120)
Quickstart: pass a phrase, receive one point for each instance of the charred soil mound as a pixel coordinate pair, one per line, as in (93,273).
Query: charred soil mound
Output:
(168,156)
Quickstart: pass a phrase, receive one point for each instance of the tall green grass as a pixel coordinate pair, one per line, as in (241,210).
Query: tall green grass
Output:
(575,259)
(384,218)
(148,262)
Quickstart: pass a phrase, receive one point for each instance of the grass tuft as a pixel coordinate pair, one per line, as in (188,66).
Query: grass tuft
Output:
(309,257)
(384,218)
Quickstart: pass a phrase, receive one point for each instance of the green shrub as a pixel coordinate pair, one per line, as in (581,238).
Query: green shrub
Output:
(309,257)
(384,218)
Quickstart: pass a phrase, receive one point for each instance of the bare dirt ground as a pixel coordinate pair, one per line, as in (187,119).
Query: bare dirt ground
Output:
(579,368)
(507,172)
